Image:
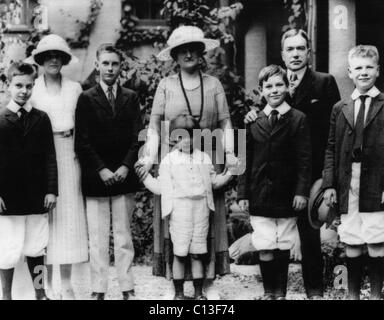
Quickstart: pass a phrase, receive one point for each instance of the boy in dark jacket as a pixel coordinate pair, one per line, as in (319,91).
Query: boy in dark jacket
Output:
(277,179)
(354,171)
(28,181)
(107,125)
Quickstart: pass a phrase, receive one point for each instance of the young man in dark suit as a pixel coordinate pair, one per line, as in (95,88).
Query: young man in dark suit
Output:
(106,140)
(28,181)
(314,93)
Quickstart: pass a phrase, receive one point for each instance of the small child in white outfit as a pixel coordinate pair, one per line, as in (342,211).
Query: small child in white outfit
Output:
(185,182)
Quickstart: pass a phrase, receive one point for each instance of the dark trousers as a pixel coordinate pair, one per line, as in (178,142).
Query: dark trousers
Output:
(312,260)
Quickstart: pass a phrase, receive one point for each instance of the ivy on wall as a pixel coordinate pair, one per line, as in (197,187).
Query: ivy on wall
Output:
(81,40)
(296,14)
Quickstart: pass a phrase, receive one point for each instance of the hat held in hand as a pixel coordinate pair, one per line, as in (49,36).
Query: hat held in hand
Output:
(318,212)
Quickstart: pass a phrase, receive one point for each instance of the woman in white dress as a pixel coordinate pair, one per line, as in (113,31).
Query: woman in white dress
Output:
(57,96)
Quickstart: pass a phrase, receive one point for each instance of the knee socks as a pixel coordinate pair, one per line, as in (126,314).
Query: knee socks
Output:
(275,274)
(179,287)
(6,277)
(355,274)
(268,272)
(198,285)
(376,276)
(281,278)
(36,269)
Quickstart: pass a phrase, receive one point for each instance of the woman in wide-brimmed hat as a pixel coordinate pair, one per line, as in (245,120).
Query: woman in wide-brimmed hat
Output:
(193,92)
(57,96)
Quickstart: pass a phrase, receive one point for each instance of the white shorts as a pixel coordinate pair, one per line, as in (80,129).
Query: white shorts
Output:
(271,233)
(358,228)
(22,235)
(189,225)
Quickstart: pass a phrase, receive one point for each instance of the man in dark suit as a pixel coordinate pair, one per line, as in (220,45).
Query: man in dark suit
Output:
(106,140)
(314,93)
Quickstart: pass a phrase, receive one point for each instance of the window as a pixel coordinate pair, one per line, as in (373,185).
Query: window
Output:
(148,11)
(17,15)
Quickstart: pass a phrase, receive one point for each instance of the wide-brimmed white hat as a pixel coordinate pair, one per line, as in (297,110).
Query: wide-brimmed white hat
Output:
(51,42)
(183,35)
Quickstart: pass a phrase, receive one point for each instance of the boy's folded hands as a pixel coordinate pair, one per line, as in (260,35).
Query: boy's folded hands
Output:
(299,203)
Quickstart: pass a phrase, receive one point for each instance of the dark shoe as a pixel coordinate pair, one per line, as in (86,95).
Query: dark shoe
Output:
(128,295)
(281,298)
(267,297)
(97,296)
(201,297)
(41,295)
(179,297)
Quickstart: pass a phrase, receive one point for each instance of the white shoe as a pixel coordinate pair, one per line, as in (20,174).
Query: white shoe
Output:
(212,294)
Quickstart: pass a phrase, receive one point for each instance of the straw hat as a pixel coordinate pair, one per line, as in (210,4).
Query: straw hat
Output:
(51,42)
(183,35)
(318,212)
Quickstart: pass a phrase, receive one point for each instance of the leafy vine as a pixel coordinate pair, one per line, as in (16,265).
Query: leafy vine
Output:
(82,38)
(296,14)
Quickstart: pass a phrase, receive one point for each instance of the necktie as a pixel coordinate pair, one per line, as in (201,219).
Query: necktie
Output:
(359,126)
(23,117)
(273,118)
(292,83)
(111,98)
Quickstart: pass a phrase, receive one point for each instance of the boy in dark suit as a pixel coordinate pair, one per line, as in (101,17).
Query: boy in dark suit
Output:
(28,181)
(107,125)
(354,171)
(277,179)
(313,93)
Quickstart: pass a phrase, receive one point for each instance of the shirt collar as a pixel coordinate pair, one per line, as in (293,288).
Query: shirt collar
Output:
(300,73)
(14,107)
(373,93)
(104,86)
(281,109)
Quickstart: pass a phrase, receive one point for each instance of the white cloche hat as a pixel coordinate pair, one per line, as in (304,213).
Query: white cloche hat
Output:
(183,35)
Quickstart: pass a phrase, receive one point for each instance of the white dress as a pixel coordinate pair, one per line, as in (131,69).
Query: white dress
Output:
(68,236)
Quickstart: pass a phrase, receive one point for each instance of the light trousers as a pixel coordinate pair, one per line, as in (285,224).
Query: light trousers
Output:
(99,211)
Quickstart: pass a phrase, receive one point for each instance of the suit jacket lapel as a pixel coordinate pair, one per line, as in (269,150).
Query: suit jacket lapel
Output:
(376,105)
(102,100)
(121,99)
(263,124)
(281,123)
(32,118)
(348,111)
(13,118)
(303,89)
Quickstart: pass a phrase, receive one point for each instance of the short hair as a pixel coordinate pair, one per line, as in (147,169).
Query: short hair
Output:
(200,48)
(294,32)
(364,51)
(270,71)
(43,56)
(21,69)
(110,48)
